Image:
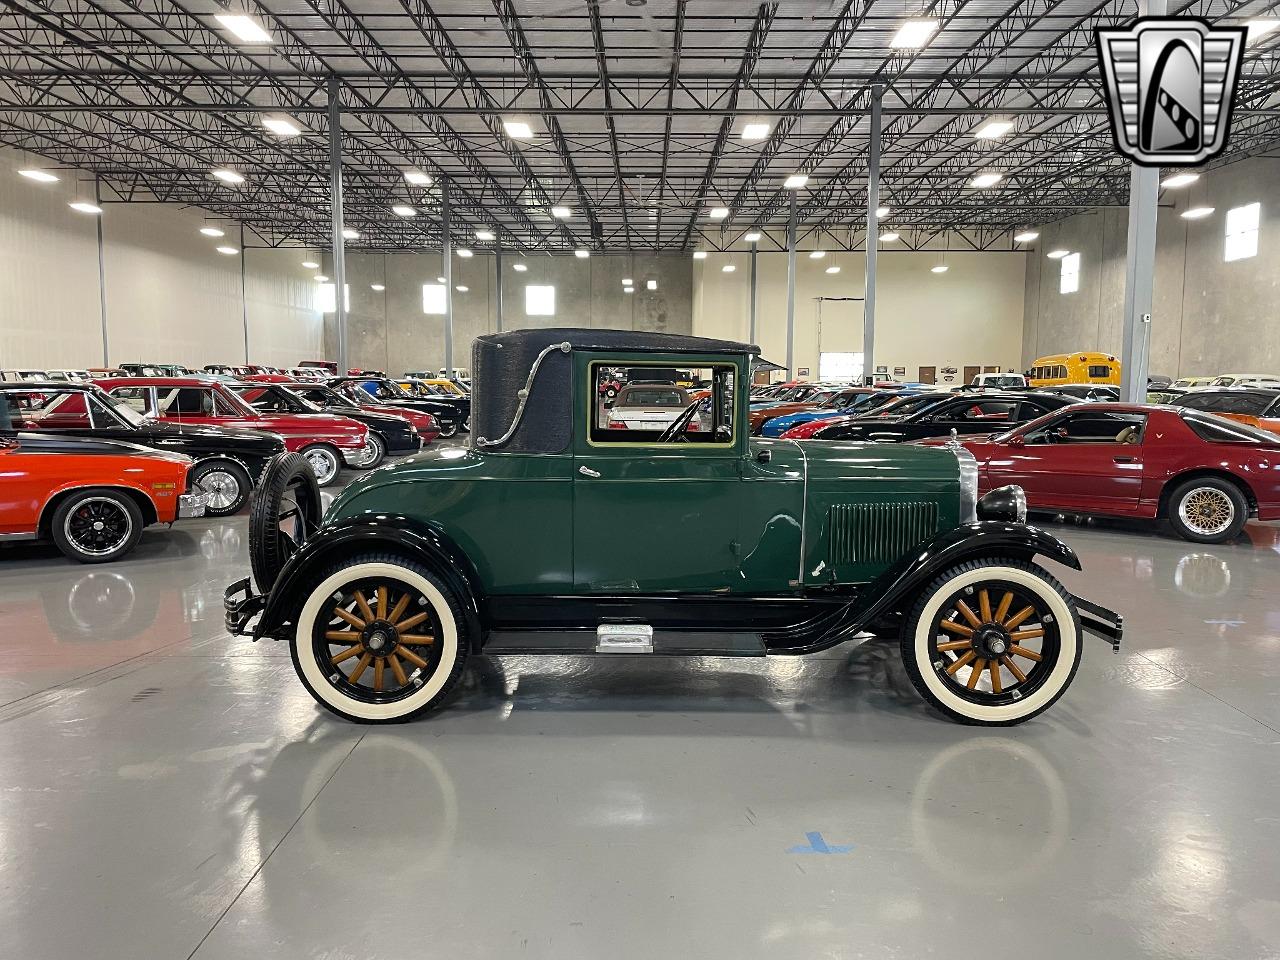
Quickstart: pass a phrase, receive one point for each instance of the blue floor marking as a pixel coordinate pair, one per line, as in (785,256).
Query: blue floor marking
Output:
(818,845)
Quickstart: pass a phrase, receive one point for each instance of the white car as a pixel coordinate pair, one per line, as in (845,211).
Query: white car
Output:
(648,406)
(1245,380)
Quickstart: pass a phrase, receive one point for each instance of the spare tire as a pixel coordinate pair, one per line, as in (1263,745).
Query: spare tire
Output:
(285,512)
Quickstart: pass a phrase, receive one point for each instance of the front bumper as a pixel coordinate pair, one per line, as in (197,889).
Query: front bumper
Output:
(1100,621)
(241,605)
(192,504)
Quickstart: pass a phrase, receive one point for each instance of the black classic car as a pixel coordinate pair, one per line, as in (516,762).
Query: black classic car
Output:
(228,461)
(936,415)
(382,390)
(388,434)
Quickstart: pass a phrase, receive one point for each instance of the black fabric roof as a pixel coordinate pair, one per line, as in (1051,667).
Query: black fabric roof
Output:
(587,338)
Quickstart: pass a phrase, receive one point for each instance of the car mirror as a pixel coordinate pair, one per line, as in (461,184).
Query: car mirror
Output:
(764,456)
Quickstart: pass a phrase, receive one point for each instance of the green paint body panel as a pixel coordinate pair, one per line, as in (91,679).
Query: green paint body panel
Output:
(671,518)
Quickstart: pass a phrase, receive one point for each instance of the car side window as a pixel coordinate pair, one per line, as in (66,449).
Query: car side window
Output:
(139,398)
(1091,427)
(1229,403)
(647,404)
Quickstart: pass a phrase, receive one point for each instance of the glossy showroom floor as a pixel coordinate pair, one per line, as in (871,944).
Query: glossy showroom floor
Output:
(167,791)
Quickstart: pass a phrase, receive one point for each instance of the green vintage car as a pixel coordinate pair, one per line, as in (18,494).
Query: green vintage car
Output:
(561,529)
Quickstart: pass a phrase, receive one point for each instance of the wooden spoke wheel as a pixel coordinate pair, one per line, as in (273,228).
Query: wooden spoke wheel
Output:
(992,642)
(379,638)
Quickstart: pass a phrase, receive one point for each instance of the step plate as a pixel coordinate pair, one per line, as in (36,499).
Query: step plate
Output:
(624,638)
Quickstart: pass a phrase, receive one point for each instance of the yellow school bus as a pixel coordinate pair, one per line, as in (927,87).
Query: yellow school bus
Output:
(1074,368)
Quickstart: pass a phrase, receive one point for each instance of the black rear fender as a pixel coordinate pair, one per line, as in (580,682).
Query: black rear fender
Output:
(388,534)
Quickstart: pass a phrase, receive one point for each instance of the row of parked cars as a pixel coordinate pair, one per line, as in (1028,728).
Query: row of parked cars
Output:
(92,457)
(1205,460)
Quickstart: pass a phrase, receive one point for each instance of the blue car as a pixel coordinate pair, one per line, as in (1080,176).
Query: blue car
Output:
(861,403)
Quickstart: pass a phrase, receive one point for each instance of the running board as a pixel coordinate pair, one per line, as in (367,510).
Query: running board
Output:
(624,638)
(587,642)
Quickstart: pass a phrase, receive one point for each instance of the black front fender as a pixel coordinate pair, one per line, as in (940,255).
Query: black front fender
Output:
(399,535)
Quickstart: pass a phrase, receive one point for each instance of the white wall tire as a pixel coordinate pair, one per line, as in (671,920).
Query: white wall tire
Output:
(983,703)
(448,651)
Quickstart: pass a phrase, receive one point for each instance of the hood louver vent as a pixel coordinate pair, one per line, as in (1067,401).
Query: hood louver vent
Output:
(863,533)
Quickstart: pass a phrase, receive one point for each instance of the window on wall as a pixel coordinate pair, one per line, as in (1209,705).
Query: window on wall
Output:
(539,300)
(433,299)
(840,367)
(1242,232)
(1069,282)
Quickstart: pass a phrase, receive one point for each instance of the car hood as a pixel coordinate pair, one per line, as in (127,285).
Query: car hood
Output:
(847,459)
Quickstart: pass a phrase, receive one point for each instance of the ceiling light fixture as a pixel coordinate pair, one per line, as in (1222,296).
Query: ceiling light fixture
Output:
(561,213)
(699,254)
(244,28)
(833,269)
(756,130)
(212,232)
(281,125)
(485,235)
(320,278)
(227,251)
(84,206)
(518,129)
(796,181)
(228,176)
(377,286)
(983,180)
(40,176)
(881,212)
(718,213)
(462,288)
(888,236)
(400,210)
(993,129)
(752,237)
(1196,213)
(519,267)
(417,178)
(914,34)
(1260,27)
(628,289)
(349,234)
(817,254)
(464,253)
(1179,180)
(1057,254)
(651,284)
(940,268)
(310,265)
(628,282)
(1026,236)
(728,268)
(582,253)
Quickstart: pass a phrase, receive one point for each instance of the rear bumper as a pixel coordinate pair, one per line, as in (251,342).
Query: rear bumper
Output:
(1100,621)
(192,505)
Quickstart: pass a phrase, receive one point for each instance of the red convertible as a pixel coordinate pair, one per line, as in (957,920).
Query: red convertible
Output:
(323,439)
(1205,474)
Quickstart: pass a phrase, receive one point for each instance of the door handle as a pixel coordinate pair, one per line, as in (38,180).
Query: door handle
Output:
(588,472)
(1125,459)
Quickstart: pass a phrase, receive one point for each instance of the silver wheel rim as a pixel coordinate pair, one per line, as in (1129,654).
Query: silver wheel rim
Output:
(322,464)
(104,505)
(222,488)
(1207,511)
(368,454)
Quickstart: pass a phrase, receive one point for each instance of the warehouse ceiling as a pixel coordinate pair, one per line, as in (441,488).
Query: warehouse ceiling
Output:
(636,113)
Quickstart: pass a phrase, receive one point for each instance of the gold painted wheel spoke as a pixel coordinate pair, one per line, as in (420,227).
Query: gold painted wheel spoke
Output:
(1018,617)
(351,618)
(954,645)
(984,605)
(412,657)
(378,666)
(342,636)
(1024,652)
(412,622)
(975,673)
(968,614)
(382,603)
(361,665)
(960,662)
(398,670)
(994,667)
(1027,634)
(418,639)
(1013,668)
(347,654)
(953,627)
(363,605)
(398,610)
(1002,611)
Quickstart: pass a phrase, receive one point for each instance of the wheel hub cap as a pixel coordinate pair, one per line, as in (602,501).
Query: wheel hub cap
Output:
(379,638)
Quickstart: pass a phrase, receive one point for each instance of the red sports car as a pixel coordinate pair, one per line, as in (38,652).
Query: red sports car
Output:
(1205,474)
(427,426)
(323,439)
(90,497)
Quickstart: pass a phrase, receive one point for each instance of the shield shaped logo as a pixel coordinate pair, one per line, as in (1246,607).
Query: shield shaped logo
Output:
(1170,83)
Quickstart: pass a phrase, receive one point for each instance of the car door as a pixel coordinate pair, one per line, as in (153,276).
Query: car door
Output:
(653,516)
(966,416)
(1077,461)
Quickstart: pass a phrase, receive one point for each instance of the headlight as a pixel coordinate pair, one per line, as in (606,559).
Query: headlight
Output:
(1004,503)
(968,483)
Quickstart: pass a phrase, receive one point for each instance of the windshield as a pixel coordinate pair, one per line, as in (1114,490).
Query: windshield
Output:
(121,409)
(384,389)
(908,405)
(1215,429)
(272,399)
(321,396)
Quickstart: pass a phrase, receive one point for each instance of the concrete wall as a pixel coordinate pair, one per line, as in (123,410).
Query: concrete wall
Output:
(388,330)
(1209,316)
(972,315)
(169,295)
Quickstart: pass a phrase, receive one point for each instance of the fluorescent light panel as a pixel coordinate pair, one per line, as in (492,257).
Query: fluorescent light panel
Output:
(833,269)
(817,254)
(728,268)
(881,212)
(796,181)
(1026,236)
(310,265)
(561,213)
(519,267)
(282,126)
(718,213)
(983,180)
(1179,180)
(517,129)
(417,178)
(581,254)
(484,235)
(227,251)
(940,268)
(993,129)
(228,176)
(913,34)
(699,254)
(400,210)
(464,253)
(349,234)
(39,176)
(212,232)
(756,130)
(889,236)
(377,286)
(1196,213)
(84,206)
(1057,254)
(752,237)
(244,28)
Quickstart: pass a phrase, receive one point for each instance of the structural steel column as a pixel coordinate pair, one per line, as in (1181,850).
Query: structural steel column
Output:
(447,256)
(873,237)
(244,300)
(751,328)
(335,215)
(1140,264)
(497,266)
(791,287)
(102,273)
